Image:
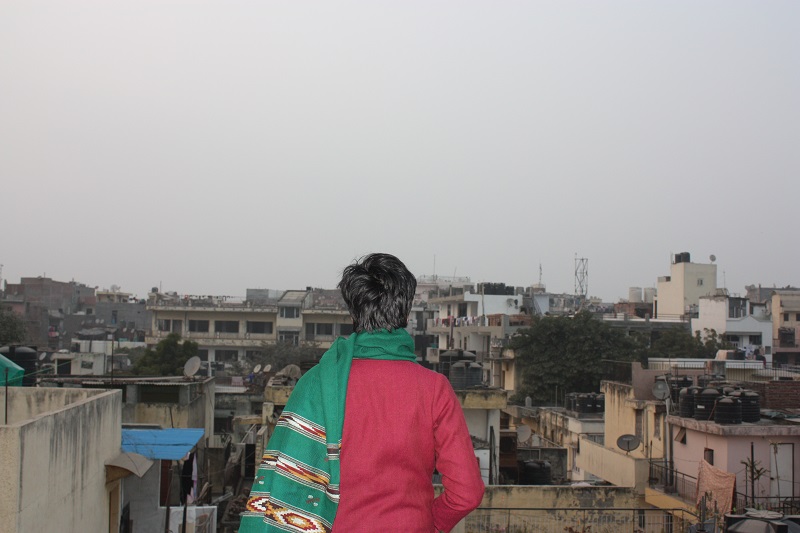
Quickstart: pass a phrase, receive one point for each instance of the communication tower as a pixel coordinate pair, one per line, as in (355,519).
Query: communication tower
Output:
(581,281)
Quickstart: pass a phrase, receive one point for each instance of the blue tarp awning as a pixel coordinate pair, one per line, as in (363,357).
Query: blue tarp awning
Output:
(169,444)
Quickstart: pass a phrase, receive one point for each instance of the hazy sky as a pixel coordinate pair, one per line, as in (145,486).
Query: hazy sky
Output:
(214,146)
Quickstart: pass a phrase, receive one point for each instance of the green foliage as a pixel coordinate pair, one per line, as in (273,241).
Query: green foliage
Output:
(566,354)
(12,328)
(167,359)
(678,343)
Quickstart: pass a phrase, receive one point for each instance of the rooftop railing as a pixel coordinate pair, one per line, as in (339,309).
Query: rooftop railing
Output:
(575,520)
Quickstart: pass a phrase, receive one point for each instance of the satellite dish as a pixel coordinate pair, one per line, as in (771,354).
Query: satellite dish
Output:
(191,367)
(257,369)
(628,442)
(267,368)
(712,257)
(523,433)
(661,390)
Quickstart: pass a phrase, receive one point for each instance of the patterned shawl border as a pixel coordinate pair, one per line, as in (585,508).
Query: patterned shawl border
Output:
(301,425)
(290,518)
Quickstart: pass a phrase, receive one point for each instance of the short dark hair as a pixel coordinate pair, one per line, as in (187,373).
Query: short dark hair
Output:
(379,291)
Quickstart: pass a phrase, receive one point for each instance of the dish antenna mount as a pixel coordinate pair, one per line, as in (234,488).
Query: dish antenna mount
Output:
(191,367)
(628,443)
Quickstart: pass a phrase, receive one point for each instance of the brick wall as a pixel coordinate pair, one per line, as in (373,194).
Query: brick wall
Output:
(777,394)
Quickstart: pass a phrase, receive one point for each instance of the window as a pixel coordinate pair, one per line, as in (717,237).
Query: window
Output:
(290,312)
(177,326)
(318,330)
(345,329)
(226,326)
(259,327)
(158,393)
(289,337)
(699,282)
(708,455)
(203,355)
(198,326)
(114,316)
(755,339)
(786,317)
(797,316)
(226,355)
(681,436)
(163,325)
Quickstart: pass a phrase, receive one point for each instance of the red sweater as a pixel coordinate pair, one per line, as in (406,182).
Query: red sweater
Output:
(402,421)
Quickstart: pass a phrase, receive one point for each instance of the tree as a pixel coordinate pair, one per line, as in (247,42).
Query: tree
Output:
(167,359)
(12,328)
(559,354)
(678,343)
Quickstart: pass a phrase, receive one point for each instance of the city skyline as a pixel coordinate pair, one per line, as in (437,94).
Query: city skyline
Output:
(212,147)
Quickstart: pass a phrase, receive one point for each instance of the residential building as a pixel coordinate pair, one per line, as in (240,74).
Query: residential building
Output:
(743,324)
(478,320)
(784,307)
(168,402)
(44,303)
(228,330)
(679,293)
(759,454)
(630,410)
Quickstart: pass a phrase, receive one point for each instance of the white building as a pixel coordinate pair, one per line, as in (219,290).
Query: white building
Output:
(680,292)
(740,322)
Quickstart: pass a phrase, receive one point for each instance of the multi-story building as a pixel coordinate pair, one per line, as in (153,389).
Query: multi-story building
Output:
(44,303)
(738,321)
(785,308)
(679,293)
(478,320)
(227,330)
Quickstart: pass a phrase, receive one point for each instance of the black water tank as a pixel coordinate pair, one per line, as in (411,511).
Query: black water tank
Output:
(728,410)
(25,357)
(458,375)
(751,405)
(600,403)
(686,400)
(580,403)
(589,403)
(704,404)
(676,384)
(474,375)
(571,401)
(536,473)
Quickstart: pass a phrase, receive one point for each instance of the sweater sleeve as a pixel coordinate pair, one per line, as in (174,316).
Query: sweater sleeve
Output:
(455,461)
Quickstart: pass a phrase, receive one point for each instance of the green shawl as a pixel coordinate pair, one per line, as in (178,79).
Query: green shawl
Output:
(296,487)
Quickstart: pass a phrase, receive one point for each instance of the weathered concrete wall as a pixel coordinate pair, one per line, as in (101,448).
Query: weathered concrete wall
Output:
(27,403)
(614,466)
(544,496)
(53,465)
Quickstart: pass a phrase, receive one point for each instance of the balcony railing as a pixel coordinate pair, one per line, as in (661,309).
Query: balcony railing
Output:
(549,520)
(684,487)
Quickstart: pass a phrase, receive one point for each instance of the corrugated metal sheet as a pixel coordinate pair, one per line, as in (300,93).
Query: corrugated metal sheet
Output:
(170,444)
